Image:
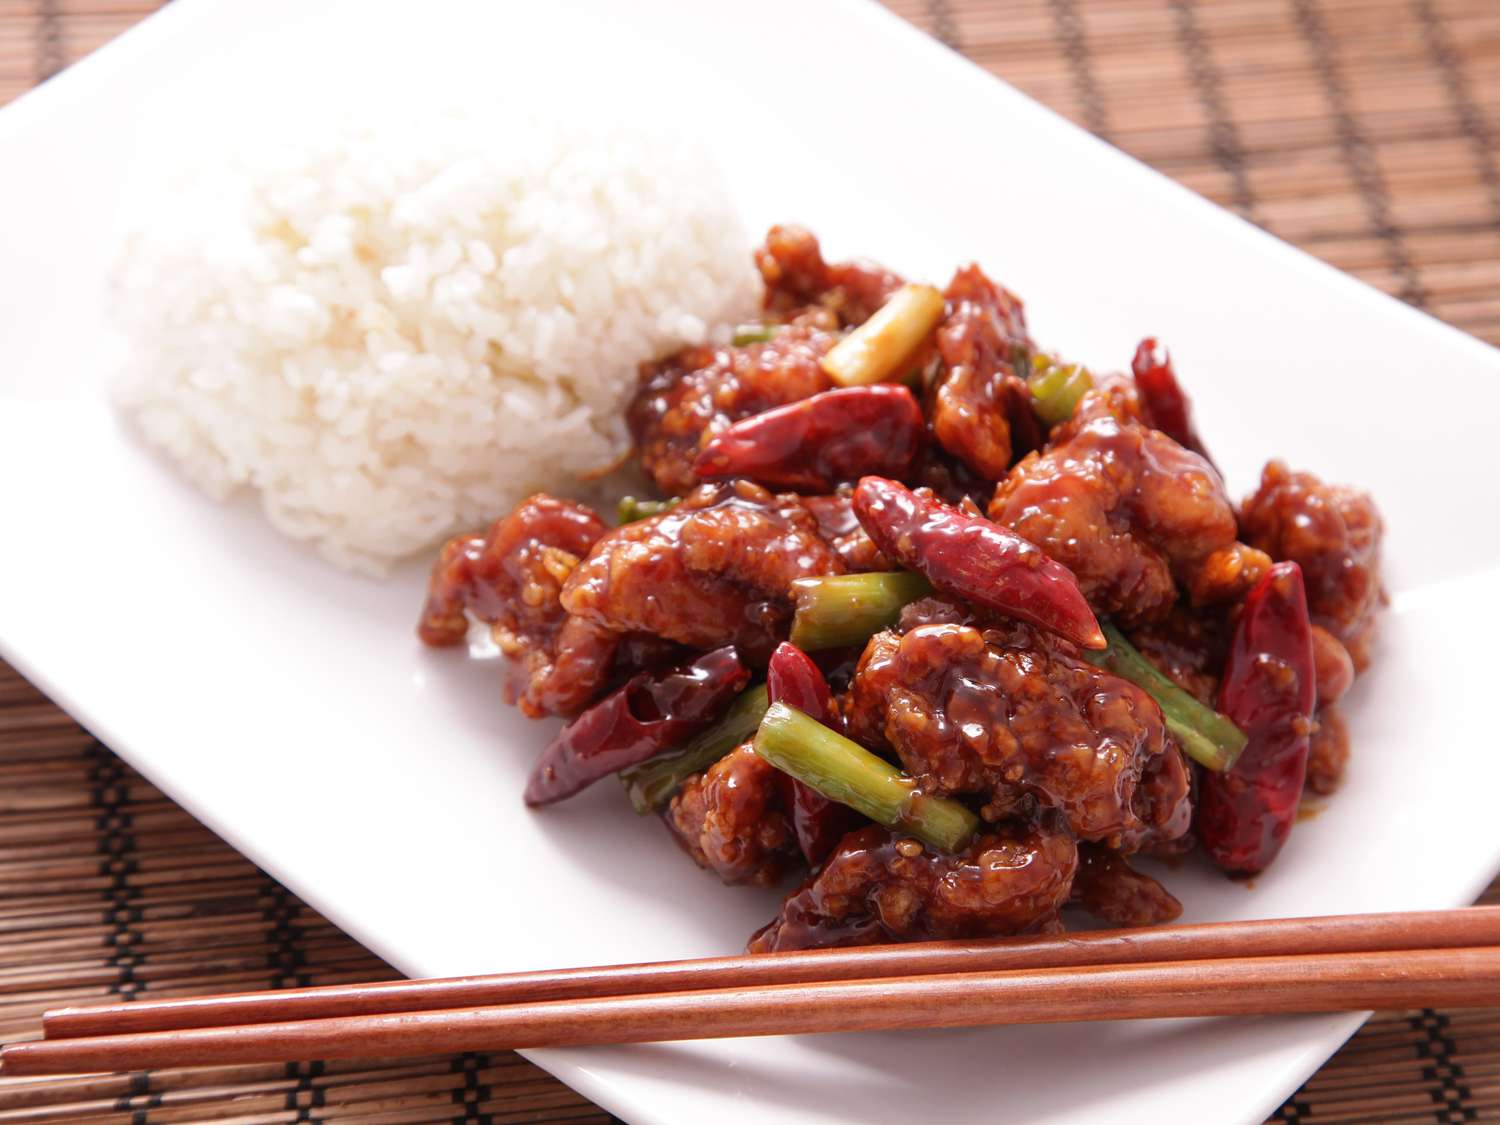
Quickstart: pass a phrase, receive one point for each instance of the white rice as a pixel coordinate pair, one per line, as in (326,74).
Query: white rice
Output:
(393,333)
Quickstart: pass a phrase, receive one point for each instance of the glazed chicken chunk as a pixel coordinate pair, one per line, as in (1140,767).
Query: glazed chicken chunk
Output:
(841,529)
(882,887)
(797,279)
(1016,719)
(1333,533)
(714,570)
(1114,892)
(1189,648)
(981,410)
(732,819)
(684,401)
(1130,512)
(510,579)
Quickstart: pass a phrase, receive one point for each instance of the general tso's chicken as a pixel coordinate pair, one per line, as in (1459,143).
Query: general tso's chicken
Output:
(1114,892)
(1013,716)
(880,887)
(714,570)
(981,410)
(1027,777)
(1130,512)
(510,578)
(1333,533)
(732,819)
(797,279)
(685,400)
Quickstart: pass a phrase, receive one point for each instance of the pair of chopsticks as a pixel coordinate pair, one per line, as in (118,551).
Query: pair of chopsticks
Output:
(1344,963)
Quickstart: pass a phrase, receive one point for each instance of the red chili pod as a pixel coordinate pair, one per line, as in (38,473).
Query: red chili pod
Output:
(792,678)
(1269,690)
(976,559)
(816,443)
(649,714)
(1166,403)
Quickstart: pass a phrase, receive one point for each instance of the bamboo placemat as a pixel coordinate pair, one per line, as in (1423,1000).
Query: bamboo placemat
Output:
(1362,130)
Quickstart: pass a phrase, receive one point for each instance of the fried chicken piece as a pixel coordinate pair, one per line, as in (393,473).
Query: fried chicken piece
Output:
(1114,892)
(1129,511)
(732,820)
(796,278)
(713,570)
(1188,647)
(1333,665)
(950,479)
(1328,753)
(1333,533)
(686,399)
(879,887)
(981,410)
(510,578)
(1012,716)
(841,530)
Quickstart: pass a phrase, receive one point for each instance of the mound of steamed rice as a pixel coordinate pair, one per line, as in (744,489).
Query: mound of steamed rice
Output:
(392,333)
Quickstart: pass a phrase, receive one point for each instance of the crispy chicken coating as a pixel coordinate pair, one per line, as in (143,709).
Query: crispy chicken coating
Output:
(1333,664)
(1333,533)
(1114,892)
(1013,717)
(880,887)
(732,820)
(1130,512)
(1189,648)
(981,410)
(713,570)
(685,400)
(841,529)
(510,578)
(797,278)
(1328,752)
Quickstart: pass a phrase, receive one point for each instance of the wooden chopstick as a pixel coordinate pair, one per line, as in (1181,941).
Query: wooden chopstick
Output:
(1353,933)
(1322,982)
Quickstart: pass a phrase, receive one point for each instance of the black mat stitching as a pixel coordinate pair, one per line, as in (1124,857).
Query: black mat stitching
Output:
(944,26)
(1068,29)
(1208,85)
(1455,78)
(51,48)
(1359,156)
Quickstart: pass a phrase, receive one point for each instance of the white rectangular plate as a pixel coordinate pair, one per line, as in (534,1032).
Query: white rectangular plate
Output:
(291,708)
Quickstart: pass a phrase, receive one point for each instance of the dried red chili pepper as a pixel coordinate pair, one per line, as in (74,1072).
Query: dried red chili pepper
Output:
(816,443)
(649,714)
(1269,690)
(1166,403)
(975,559)
(792,678)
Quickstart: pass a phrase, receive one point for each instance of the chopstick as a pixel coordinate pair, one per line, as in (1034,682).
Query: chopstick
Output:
(1341,963)
(1350,933)
(1322,982)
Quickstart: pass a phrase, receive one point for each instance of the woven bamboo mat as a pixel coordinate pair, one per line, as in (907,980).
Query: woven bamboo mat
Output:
(1362,130)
